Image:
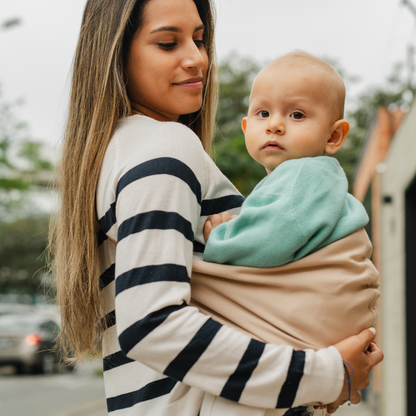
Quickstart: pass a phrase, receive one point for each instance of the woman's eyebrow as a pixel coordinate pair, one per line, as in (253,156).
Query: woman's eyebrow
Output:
(175,29)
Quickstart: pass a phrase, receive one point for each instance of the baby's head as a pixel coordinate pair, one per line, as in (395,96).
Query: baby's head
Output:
(296,110)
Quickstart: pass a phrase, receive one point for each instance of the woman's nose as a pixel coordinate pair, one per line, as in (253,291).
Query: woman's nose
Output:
(276,125)
(193,57)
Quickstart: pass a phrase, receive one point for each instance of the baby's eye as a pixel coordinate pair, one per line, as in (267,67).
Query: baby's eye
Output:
(263,114)
(297,115)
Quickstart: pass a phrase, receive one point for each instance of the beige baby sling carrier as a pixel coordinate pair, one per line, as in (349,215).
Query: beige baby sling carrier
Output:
(314,302)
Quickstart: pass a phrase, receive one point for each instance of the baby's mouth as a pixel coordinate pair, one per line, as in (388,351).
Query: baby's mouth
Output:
(272,146)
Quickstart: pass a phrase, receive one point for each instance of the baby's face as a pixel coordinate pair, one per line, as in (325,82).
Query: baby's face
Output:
(289,117)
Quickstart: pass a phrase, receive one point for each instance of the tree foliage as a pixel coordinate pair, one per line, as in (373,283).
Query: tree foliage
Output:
(21,159)
(22,264)
(229,150)
(391,93)
(23,238)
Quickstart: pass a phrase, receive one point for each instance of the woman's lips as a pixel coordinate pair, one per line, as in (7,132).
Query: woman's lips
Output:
(193,83)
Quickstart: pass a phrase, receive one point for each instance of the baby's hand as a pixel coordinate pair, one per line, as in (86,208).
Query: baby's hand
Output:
(214,221)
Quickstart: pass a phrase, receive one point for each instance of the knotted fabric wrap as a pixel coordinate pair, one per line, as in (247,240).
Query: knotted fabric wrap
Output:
(314,302)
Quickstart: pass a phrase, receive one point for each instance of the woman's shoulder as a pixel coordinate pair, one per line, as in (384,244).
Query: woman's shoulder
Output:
(142,144)
(149,133)
(138,139)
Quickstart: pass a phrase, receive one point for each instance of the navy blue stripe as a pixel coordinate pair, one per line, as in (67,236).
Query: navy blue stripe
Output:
(115,360)
(218,205)
(139,330)
(151,274)
(180,366)
(110,319)
(101,237)
(162,166)
(109,219)
(198,247)
(108,276)
(151,391)
(156,220)
(238,380)
(290,387)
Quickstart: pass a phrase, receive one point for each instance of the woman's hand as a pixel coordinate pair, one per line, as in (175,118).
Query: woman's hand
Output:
(214,221)
(362,354)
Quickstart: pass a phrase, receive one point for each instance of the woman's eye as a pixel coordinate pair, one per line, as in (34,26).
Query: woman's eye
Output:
(167,46)
(263,114)
(199,43)
(297,116)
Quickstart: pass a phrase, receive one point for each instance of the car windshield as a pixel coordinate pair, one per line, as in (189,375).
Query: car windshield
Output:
(18,322)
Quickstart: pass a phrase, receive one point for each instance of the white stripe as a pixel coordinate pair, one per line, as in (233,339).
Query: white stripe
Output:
(180,327)
(129,378)
(167,246)
(140,192)
(145,300)
(110,341)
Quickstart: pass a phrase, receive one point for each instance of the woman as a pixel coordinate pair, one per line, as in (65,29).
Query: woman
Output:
(138,133)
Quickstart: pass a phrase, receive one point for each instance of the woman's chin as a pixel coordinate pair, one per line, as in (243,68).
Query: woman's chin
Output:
(189,106)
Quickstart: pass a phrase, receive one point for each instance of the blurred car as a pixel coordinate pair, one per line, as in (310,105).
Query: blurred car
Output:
(27,342)
(15,308)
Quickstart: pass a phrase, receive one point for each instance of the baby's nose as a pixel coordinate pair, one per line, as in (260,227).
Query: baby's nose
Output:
(276,126)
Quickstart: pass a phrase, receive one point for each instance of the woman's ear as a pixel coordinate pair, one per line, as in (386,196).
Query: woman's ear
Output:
(244,124)
(339,133)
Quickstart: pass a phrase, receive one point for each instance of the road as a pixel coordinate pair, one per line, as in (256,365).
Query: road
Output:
(68,394)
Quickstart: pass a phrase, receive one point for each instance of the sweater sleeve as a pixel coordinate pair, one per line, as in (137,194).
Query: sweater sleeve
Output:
(158,203)
(296,210)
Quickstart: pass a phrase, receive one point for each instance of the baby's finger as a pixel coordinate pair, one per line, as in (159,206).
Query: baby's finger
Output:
(216,220)
(207,229)
(225,217)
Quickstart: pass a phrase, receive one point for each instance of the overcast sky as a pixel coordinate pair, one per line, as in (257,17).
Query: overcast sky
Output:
(366,37)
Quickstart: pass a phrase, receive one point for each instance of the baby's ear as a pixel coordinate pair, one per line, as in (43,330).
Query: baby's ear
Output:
(244,124)
(340,131)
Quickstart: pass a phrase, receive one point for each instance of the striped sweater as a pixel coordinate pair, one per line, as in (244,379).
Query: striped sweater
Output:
(156,188)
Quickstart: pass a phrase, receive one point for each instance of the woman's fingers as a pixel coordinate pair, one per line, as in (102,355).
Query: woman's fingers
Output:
(361,354)
(367,337)
(333,407)
(374,354)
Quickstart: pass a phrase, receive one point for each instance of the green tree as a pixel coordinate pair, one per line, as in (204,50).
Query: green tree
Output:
(391,92)
(22,265)
(229,150)
(23,238)
(21,160)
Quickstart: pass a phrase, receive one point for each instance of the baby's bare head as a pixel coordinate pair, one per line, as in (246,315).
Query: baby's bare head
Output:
(318,77)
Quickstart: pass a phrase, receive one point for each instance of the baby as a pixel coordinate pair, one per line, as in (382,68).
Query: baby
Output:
(295,118)
(300,217)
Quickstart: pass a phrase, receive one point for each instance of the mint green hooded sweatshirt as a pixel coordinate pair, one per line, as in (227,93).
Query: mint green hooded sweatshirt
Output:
(300,207)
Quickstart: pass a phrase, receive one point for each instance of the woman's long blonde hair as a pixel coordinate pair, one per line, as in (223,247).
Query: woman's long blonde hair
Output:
(98,102)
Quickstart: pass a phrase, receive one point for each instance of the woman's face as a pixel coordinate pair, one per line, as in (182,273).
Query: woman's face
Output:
(167,62)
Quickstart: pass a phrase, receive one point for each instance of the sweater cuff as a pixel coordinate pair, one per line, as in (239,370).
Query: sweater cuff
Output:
(323,377)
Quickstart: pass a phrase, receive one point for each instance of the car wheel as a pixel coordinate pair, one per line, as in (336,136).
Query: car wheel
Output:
(48,364)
